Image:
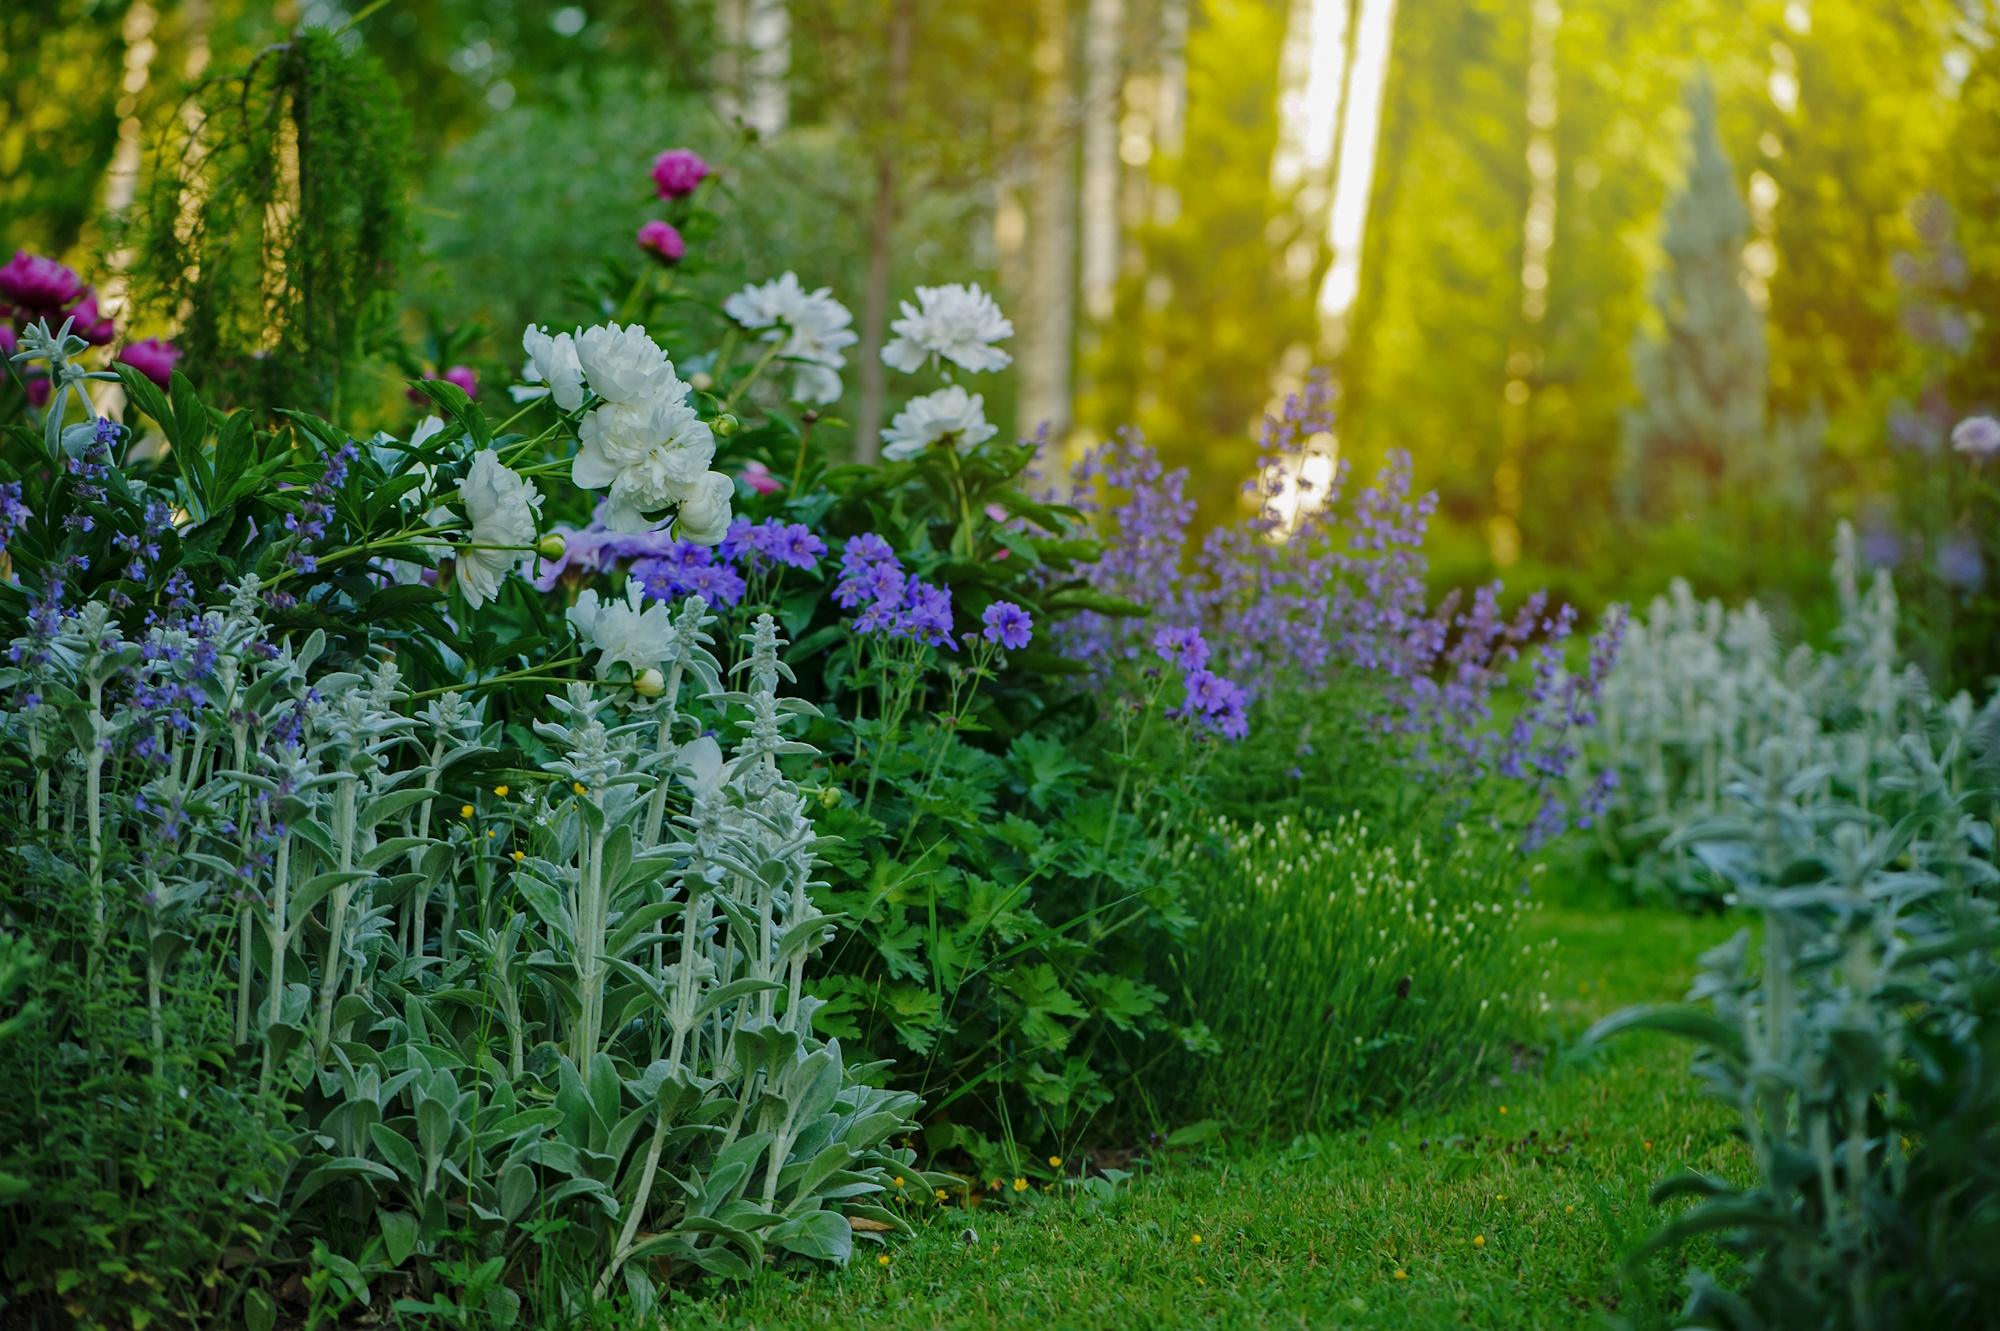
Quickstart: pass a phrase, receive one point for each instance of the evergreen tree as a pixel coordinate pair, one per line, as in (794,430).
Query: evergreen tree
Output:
(1703,382)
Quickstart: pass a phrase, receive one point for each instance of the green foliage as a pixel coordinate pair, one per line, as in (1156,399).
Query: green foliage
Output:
(58,74)
(1338,975)
(116,1218)
(273,223)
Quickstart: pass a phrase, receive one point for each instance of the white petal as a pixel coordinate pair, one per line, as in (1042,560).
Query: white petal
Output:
(592,470)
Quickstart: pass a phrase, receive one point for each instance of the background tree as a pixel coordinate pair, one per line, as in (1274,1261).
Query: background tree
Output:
(1703,376)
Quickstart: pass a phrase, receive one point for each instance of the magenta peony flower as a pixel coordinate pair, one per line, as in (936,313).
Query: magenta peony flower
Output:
(759,478)
(39,286)
(153,358)
(464,376)
(10,341)
(660,240)
(91,325)
(679,172)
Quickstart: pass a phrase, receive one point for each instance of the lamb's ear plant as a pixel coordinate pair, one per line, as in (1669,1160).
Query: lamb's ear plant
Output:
(1872,976)
(1697,692)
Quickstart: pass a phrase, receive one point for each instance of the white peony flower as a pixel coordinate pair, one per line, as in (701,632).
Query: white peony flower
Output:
(817,323)
(500,507)
(947,412)
(704,515)
(650,453)
(957,323)
(625,366)
(624,634)
(552,362)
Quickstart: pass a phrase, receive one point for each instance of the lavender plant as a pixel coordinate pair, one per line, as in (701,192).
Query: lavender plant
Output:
(1335,975)
(1317,590)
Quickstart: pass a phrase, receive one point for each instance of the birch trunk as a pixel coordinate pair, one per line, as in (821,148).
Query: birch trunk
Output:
(1104,28)
(1051,303)
(881,230)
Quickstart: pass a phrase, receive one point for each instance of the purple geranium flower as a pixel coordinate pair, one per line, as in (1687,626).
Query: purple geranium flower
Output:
(718,584)
(796,547)
(1182,647)
(1009,625)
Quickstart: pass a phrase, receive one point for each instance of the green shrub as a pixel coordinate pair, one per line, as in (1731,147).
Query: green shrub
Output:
(1337,974)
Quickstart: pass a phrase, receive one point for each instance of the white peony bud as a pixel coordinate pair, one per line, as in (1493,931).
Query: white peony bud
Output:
(704,515)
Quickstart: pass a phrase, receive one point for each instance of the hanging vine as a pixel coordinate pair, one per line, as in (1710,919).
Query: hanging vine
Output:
(273,220)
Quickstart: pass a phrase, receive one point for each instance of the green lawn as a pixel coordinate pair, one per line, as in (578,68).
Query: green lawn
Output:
(1503,1211)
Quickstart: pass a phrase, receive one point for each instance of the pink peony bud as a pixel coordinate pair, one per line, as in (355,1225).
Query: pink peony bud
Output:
(759,478)
(39,286)
(153,358)
(679,172)
(90,325)
(660,240)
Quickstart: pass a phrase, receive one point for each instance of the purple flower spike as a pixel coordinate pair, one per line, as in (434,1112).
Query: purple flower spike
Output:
(1009,625)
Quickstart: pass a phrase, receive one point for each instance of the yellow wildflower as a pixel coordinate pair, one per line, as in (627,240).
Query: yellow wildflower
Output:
(578,787)
(520,855)
(501,791)
(1020,1185)
(1197,1238)
(465,810)
(1055,1162)
(1402,1275)
(1478,1240)
(883,1260)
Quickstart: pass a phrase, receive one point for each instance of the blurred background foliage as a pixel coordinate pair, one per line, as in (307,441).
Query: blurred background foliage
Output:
(1155,188)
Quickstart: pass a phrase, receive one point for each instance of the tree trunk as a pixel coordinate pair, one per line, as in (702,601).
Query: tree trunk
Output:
(1102,69)
(881,229)
(754,62)
(1045,346)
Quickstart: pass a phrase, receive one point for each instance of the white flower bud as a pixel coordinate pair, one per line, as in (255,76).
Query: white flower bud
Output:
(650,683)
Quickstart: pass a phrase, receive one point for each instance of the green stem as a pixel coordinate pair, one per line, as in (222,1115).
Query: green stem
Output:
(756,371)
(805,437)
(511,677)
